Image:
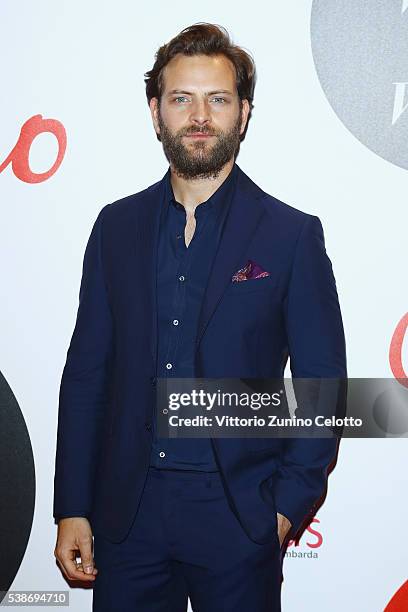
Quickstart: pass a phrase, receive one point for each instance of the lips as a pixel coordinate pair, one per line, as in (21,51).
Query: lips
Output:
(199,135)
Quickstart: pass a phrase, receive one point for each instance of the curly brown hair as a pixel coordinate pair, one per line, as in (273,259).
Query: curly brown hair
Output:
(204,39)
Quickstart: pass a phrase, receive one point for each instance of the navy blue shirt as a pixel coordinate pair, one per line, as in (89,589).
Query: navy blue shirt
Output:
(182,276)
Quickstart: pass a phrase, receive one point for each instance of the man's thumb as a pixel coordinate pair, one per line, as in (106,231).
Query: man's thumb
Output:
(87,559)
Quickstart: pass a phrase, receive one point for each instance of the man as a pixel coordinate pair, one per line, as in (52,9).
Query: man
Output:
(202,274)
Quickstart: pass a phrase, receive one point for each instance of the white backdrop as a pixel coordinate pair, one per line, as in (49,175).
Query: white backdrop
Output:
(83,64)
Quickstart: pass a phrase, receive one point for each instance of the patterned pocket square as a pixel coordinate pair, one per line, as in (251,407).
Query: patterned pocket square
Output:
(249,271)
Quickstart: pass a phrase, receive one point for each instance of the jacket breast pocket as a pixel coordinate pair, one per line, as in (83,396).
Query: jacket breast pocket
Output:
(265,283)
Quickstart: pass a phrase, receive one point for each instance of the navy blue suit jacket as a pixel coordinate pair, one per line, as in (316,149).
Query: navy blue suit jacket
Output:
(246,330)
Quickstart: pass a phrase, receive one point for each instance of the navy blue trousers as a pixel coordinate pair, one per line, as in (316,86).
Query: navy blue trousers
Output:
(186,542)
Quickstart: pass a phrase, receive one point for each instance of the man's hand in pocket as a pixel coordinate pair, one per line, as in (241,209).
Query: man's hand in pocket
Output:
(284,525)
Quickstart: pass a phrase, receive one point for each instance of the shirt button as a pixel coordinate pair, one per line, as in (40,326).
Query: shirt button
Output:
(169,366)
(181,278)
(162,454)
(175,322)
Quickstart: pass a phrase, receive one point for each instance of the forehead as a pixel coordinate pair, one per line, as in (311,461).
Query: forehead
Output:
(185,72)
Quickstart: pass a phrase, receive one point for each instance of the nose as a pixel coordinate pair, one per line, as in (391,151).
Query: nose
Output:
(200,113)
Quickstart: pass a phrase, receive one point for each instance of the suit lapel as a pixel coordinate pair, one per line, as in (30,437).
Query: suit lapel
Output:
(242,220)
(147,225)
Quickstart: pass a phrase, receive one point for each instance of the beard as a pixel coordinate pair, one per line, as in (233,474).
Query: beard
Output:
(200,160)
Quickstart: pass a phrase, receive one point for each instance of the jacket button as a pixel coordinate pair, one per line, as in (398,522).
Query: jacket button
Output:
(153,380)
(148,426)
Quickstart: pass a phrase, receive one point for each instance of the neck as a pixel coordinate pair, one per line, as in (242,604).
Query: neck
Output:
(191,192)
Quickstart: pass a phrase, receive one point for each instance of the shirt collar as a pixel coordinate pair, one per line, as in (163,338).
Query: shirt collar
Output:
(216,201)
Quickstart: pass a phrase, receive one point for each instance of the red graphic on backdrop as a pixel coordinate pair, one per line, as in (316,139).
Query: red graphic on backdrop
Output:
(395,354)
(316,543)
(399,602)
(19,156)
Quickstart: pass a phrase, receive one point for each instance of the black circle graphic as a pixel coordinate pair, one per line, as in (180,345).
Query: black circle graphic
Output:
(17,487)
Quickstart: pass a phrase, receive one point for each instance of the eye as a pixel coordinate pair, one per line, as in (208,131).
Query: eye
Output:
(219,99)
(181,99)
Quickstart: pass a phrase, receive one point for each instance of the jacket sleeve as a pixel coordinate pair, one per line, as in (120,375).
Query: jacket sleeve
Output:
(317,350)
(84,389)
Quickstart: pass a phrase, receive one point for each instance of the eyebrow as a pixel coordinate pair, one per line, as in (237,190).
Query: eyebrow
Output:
(207,93)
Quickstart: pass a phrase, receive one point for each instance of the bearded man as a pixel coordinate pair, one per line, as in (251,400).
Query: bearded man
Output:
(202,274)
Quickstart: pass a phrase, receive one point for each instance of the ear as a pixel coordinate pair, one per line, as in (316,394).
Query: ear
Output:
(245,113)
(154,110)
